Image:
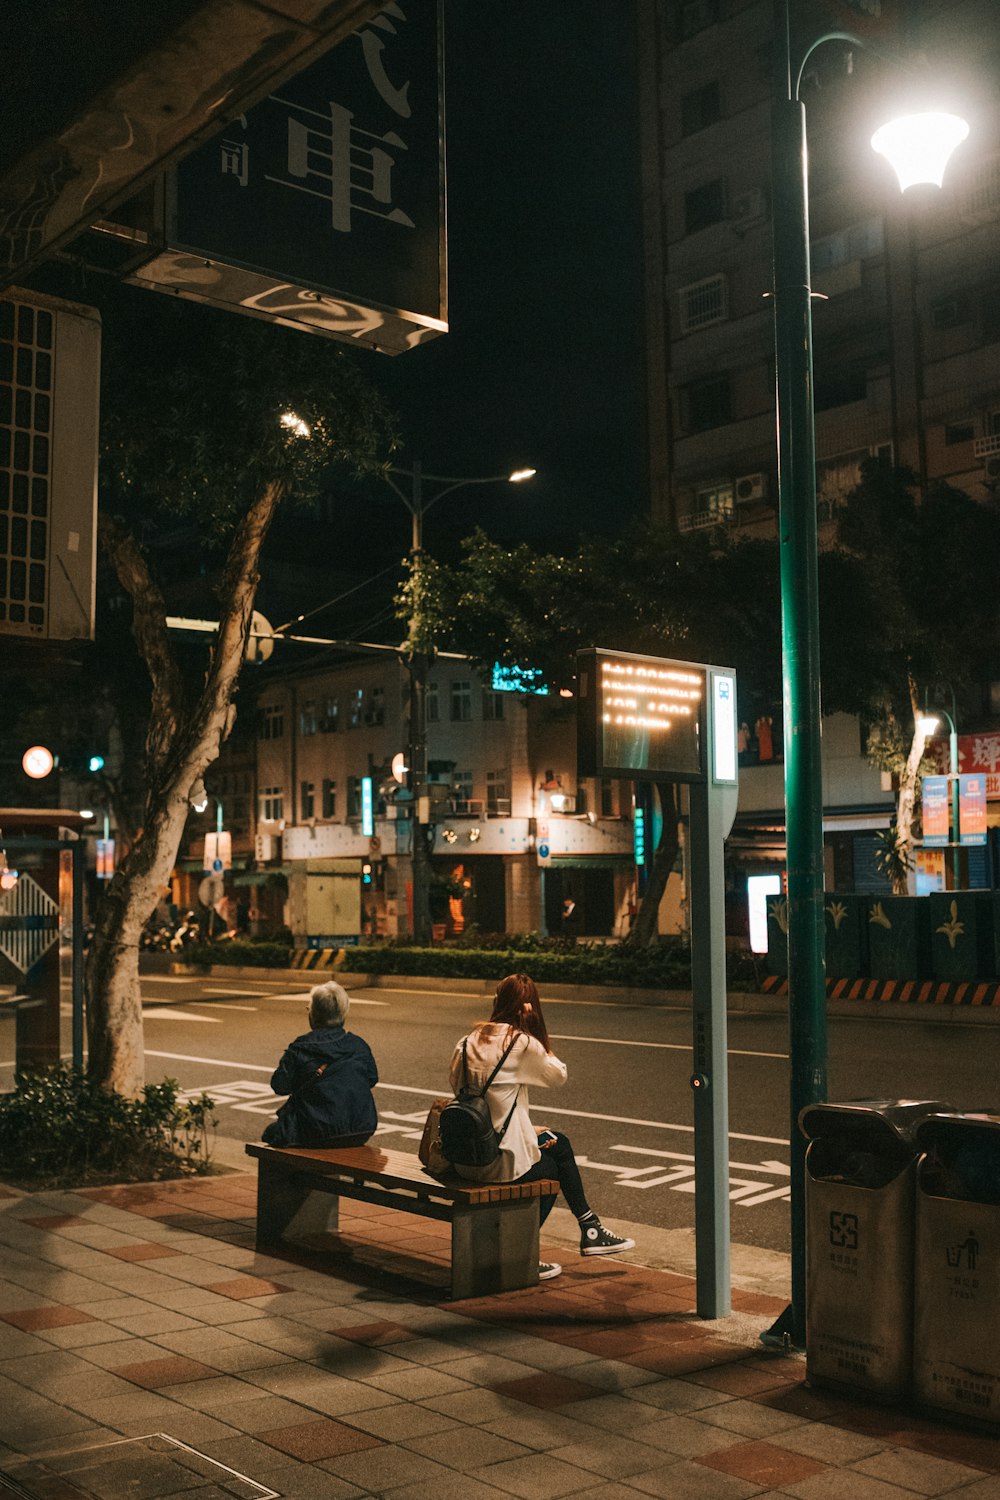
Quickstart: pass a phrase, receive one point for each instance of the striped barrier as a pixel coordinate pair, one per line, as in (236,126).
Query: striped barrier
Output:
(901,991)
(318,958)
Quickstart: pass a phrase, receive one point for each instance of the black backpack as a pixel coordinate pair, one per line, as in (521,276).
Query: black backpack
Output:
(468,1137)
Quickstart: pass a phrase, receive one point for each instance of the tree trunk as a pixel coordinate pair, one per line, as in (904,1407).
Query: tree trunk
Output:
(182,742)
(644,932)
(907,798)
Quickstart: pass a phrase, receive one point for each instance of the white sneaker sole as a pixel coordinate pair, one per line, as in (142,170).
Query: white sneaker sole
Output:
(608,1249)
(549,1271)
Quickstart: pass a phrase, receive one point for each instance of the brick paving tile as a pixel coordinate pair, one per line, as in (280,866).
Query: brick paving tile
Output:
(32,1319)
(173,1370)
(403,1421)
(762,1463)
(373,1334)
(145,1251)
(545,1391)
(536,1477)
(977,1449)
(757,1302)
(244,1286)
(54,1221)
(612,1457)
(315,1440)
(746,1379)
(916,1471)
(466,1448)
(681,1358)
(384,1470)
(692,1481)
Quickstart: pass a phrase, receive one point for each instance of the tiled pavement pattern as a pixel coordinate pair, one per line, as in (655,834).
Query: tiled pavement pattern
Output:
(132,1311)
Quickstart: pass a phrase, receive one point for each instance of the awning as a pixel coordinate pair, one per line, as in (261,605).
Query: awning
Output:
(261,877)
(591,861)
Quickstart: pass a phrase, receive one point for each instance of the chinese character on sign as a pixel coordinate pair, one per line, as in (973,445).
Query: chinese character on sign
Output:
(334,160)
(374,48)
(235,158)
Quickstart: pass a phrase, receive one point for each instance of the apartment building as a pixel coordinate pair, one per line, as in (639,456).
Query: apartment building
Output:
(907,288)
(906,307)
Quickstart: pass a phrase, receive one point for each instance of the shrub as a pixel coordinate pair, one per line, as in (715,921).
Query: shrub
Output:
(239,953)
(60,1128)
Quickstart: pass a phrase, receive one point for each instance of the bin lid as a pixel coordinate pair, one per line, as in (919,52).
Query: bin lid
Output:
(954,1127)
(879,1122)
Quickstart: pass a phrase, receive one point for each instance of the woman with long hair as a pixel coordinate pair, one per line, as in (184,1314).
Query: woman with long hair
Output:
(526,1154)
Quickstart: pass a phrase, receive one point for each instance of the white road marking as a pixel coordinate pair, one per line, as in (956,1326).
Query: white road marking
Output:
(302,996)
(222,1005)
(402,1088)
(617,1041)
(168,979)
(169,1013)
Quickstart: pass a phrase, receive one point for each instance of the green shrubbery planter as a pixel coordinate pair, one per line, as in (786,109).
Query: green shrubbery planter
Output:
(962,935)
(899,937)
(845,915)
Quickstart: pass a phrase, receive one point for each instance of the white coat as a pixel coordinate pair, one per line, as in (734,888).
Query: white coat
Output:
(528,1063)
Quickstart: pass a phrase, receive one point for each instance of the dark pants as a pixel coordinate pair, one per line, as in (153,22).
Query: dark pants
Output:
(558,1162)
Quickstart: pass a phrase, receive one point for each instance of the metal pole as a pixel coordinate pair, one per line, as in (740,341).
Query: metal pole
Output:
(800,644)
(418,666)
(77,852)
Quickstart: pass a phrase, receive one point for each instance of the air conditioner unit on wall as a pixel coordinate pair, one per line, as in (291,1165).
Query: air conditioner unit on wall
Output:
(750,487)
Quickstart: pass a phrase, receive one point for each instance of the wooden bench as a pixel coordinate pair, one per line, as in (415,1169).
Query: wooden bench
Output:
(494,1227)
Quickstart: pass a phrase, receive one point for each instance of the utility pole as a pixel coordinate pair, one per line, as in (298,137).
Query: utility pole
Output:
(418,658)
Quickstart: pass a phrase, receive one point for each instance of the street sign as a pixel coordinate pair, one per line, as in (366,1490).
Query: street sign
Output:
(640,717)
(972,809)
(218,851)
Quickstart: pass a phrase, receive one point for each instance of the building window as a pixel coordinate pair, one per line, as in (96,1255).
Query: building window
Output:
(308,721)
(376,706)
(461,702)
(330,721)
(704,206)
(432,704)
(307,801)
(492,704)
(959,432)
(329,798)
(462,789)
(703,303)
(497,794)
(357,707)
(709,403)
(700,108)
(271,803)
(608,808)
(354,796)
(271,722)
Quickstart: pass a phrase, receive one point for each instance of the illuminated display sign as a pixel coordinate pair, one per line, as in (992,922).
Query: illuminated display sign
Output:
(367,807)
(640,717)
(518,680)
(639,836)
(936,812)
(724,727)
(759,887)
(972,809)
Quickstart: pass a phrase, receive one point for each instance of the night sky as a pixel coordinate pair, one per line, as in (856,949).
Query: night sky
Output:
(542,365)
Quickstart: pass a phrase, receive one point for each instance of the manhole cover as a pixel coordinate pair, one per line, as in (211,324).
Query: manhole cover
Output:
(129,1469)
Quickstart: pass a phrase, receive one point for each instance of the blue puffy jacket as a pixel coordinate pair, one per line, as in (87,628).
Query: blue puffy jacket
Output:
(338,1103)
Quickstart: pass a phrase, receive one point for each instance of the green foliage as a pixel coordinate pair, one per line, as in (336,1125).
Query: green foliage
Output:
(893,860)
(197,429)
(240,954)
(60,1128)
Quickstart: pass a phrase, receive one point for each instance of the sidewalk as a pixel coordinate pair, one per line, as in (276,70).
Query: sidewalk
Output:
(148,1351)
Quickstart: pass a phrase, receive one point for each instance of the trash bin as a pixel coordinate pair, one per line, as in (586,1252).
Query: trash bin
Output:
(860,1175)
(956,1354)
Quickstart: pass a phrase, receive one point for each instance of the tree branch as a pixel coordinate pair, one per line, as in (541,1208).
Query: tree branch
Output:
(149,629)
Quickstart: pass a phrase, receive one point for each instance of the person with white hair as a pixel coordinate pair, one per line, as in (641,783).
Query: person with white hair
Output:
(328,1075)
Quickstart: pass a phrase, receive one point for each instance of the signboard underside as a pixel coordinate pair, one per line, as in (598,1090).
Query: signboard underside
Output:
(323,206)
(640,717)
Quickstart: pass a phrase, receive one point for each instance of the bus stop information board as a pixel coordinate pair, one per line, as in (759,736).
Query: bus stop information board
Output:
(640,717)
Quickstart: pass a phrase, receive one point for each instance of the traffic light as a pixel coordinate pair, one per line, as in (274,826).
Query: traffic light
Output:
(366,872)
(95,764)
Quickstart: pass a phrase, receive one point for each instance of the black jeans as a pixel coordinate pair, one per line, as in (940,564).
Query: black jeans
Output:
(558,1162)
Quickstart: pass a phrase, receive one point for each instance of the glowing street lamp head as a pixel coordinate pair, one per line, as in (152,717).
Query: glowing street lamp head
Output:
(928,724)
(295,424)
(918,147)
(520,475)
(37,762)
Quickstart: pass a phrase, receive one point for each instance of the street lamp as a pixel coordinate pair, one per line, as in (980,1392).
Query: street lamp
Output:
(418,662)
(930,723)
(800,601)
